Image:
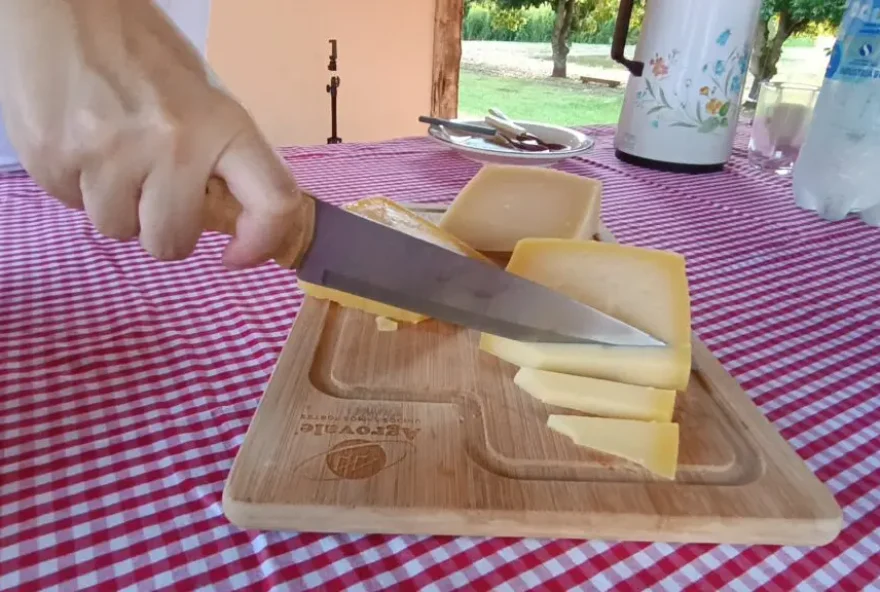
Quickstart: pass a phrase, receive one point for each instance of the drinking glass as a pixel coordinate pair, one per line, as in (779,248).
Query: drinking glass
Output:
(780,124)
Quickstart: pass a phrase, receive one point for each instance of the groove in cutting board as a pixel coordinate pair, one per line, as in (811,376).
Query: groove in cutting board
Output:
(354,361)
(418,431)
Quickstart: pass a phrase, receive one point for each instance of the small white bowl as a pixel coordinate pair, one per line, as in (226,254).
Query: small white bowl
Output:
(480,149)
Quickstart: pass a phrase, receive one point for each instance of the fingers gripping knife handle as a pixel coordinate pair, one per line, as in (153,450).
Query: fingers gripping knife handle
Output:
(222,211)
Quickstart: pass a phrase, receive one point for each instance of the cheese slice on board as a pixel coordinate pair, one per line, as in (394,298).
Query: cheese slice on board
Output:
(503,204)
(387,212)
(645,288)
(653,445)
(596,396)
(385,324)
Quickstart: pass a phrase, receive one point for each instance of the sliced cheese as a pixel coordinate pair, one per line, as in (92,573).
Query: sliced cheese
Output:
(385,324)
(389,213)
(503,204)
(653,445)
(365,304)
(596,396)
(663,368)
(643,287)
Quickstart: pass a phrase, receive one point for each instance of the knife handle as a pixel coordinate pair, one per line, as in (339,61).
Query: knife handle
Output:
(221,212)
(483,130)
(513,130)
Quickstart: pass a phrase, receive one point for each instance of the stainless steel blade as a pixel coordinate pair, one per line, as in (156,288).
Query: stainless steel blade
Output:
(362,257)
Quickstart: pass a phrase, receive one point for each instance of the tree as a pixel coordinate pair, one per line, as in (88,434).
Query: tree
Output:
(569,13)
(561,33)
(565,12)
(784,18)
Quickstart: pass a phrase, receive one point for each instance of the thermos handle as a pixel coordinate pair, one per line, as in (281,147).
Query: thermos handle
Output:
(621,30)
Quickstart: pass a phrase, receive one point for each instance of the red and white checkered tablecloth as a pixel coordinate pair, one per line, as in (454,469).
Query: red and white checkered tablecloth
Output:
(127,384)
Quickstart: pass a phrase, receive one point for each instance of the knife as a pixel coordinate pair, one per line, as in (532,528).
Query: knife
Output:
(344,251)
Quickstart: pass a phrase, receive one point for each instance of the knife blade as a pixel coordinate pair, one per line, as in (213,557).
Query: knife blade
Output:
(347,252)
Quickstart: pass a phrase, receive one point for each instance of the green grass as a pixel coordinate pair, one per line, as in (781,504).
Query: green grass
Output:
(558,102)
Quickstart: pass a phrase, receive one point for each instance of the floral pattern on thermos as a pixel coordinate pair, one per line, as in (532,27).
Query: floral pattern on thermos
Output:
(709,103)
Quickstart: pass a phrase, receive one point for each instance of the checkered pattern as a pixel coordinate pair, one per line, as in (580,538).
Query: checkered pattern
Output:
(127,386)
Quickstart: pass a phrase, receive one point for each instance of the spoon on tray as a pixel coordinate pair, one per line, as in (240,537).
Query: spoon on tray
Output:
(490,133)
(517,133)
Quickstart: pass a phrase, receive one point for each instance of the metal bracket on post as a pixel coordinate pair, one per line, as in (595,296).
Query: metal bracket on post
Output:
(332,89)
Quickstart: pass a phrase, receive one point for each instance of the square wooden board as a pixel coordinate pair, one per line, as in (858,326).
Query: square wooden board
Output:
(418,431)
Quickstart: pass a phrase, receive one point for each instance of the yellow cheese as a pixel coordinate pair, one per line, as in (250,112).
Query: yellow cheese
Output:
(653,445)
(663,368)
(351,301)
(596,396)
(385,324)
(389,213)
(505,203)
(643,287)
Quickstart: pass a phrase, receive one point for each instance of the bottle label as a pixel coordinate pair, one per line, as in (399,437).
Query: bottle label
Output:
(856,53)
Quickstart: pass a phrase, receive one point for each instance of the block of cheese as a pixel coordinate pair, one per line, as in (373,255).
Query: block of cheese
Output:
(390,213)
(387,212)
(596,396)
(645,288)
(502,204)
(385,324)
(653,445)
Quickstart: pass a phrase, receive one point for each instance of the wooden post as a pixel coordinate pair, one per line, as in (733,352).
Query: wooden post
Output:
(448,20)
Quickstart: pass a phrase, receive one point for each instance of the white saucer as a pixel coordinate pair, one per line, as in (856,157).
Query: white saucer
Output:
(480,149)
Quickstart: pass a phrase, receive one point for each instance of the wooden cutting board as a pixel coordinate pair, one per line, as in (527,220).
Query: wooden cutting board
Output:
(417,431)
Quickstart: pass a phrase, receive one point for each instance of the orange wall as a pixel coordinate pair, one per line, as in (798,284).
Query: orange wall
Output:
(273,55)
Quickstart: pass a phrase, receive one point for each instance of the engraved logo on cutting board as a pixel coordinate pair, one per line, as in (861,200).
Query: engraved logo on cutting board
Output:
(372,446)
(356,459)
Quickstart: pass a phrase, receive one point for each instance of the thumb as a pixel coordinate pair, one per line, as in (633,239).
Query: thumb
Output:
(272,206)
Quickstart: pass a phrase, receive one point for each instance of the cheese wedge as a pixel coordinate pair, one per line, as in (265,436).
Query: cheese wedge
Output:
(652,445)
(643,287)
(390,213)
(387,212)
(596,396)
(503,204)
(385,324)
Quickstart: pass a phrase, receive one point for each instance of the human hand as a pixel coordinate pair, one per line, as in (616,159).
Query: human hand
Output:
(112,111)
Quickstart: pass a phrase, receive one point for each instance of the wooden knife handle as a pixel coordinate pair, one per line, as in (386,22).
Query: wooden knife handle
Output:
(221,211)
